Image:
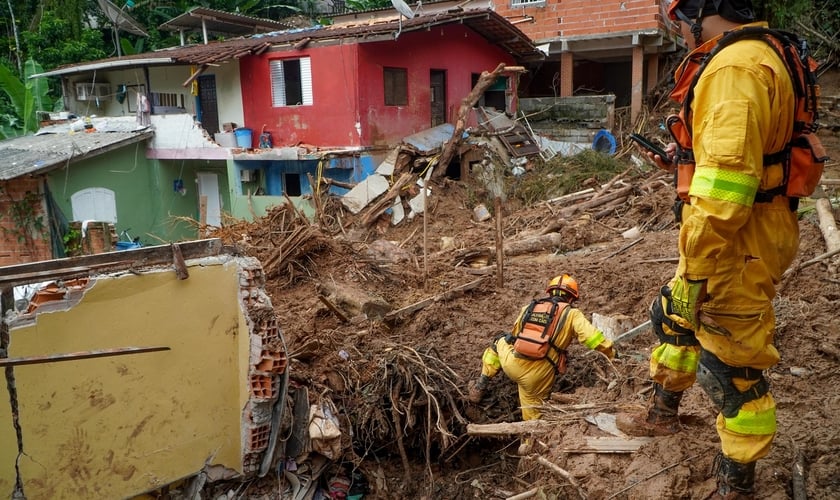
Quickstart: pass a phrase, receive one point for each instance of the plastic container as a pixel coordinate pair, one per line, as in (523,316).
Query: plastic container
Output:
(243,137)
(127,245)
(225,139)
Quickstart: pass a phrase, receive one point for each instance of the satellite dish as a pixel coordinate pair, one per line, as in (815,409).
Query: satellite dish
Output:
(120,19)
(402,8)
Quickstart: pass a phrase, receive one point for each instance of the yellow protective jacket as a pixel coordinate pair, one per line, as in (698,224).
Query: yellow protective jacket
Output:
(535,378)
(742,109)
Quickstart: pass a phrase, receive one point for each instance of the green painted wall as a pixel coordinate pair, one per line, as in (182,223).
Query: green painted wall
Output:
(175,204)
(146,201)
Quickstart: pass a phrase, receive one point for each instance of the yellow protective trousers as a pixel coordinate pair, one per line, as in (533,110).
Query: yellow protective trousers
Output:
(733,233)
(533,377)
(748,435)
(737,324)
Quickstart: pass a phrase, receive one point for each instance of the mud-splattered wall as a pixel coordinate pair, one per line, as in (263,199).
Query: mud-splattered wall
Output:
(118,426)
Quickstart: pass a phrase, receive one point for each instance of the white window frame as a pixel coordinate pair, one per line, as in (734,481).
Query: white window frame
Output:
(278,82)
(520,3)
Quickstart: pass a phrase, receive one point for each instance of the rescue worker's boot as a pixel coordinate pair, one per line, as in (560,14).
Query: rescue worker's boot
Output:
(477,389)
(734,480)
(661,419)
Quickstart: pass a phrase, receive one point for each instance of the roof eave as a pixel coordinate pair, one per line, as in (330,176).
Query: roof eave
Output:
(105,65)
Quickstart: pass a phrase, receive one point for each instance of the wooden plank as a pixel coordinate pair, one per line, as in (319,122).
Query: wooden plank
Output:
(202,210)
(509,428)
(610,445)
(34,272)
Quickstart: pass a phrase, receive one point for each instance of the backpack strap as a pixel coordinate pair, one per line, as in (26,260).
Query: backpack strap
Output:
(560,323)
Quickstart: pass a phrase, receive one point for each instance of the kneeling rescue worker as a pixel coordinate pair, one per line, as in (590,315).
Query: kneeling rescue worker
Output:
(536,349)
(738,234)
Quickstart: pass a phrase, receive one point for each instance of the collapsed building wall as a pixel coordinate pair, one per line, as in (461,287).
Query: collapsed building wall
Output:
(573,119)
(139,377)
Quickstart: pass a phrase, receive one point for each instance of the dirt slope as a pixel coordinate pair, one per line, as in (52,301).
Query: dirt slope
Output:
(399,385)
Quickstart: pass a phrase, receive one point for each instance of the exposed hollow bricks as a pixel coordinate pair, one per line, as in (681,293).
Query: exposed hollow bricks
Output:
(257,439)
(271,362)
(264,386)
(267,361)
(251,463)
(267,329)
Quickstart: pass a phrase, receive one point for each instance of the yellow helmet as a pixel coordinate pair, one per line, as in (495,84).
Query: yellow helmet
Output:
(564,283)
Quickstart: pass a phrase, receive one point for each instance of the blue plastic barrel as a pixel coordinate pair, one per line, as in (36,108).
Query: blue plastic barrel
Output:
(243,137)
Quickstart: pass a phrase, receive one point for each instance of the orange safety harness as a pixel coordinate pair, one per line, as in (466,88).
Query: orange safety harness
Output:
(803,157)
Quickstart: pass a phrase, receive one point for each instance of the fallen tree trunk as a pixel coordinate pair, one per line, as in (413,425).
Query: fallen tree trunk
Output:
(597,201)
(519,247)
(827,226)
(484,82)
(400,313)
(535,244)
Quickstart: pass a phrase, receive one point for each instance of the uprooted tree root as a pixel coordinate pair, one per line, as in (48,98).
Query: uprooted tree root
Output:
(409,400)
(283,240)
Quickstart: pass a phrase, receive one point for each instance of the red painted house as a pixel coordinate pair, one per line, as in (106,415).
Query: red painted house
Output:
(335,99)
(360,83)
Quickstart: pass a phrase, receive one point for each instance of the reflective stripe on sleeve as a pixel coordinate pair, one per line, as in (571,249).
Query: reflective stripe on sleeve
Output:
(724,185)
(595,340)
(490,358)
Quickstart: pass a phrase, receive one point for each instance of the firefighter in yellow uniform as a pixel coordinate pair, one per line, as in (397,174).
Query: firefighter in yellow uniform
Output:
(535,377)
(715,318)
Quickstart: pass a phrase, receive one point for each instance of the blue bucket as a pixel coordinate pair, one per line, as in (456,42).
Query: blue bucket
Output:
(243,137)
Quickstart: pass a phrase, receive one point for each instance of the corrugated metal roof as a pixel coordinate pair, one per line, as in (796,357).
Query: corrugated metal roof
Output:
(220,22)
(430,140)
(487,23)
(35,154)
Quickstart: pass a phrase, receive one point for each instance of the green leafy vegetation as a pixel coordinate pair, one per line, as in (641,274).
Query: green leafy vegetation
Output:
(23,99)
(564,175)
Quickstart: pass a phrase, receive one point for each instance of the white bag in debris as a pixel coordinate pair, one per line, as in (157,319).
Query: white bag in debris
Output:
(324,431)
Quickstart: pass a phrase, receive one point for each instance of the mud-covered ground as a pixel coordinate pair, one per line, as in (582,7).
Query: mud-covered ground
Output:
(399,385)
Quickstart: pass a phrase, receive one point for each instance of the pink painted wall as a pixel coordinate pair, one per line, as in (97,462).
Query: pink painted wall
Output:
(348,88)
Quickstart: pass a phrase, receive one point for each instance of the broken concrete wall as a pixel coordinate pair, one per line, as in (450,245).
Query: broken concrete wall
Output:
(569,119)
(118,426)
